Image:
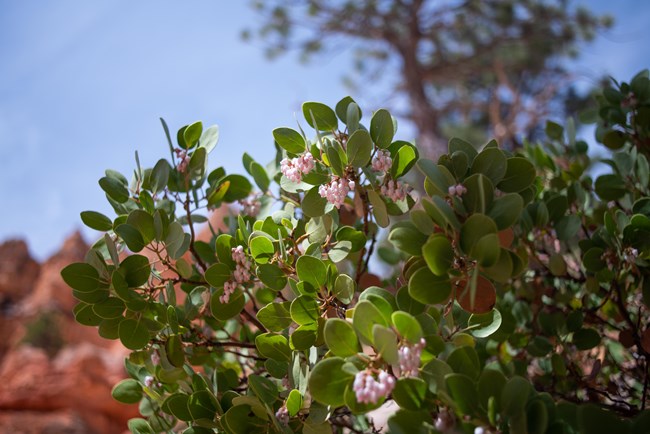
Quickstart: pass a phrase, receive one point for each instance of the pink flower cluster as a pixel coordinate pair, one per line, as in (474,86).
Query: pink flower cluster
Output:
(336,191)
(409,358)
(368,390)
(395,190)
(382,161)
(283,415)
(296,167)
(241,274)
(457,190)
(250,206)
(184,160)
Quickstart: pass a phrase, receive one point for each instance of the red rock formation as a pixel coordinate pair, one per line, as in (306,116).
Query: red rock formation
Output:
(67,393)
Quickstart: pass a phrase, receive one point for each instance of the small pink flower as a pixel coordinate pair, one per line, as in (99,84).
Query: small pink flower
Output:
(457,190)
(409,358)
(296,167)
(382,161)
(395,190)
(336,191)
(370,391)
(283,415)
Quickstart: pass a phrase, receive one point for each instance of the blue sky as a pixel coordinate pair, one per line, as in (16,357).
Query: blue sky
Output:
(83,83)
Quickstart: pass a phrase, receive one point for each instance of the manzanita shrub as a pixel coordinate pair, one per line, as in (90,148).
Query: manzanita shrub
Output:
(513,295)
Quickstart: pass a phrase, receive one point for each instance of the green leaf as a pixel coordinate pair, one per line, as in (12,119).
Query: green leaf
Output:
(428,288)
(554,131)
(344,288)
(290,140)
(487,250)
(484,324)
(464,360)
(614,139)
(176,404)
(359,148)
(273,346)
(381,128)
(272,276)
(81,277)
(438,254)
(457,144)
(224,311)
(260,176)
(506,210)
(490,384)
(239,188)
(341,338)
(385,342)
(323,116)
(136,270)
(313,205)
(567,227)
(133,334)
(479,195)
(441,213)
(520,174)
(191,135)
(143,222)
(586,339)
(294,402)
(343,106)
(305,310)
(379,209)
(339,251)
(463,391)
(218,274)
(407,326)
(596,420)
(209,138)
(275,316)
(174,351)
(410,393)
(365,316)
(110,308)
(610,187)
(131,236)
(262,249)
(311,270)
(114,189)
(439,176)
(139,426)
(202,405)
(304,337)
(264,388)
(434,372)
(405,156)
(514,396)
(127,391)
(159,176)
(97,221)
(475,228)
(407,238)
(492,163)
(83,314)
(328,381)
